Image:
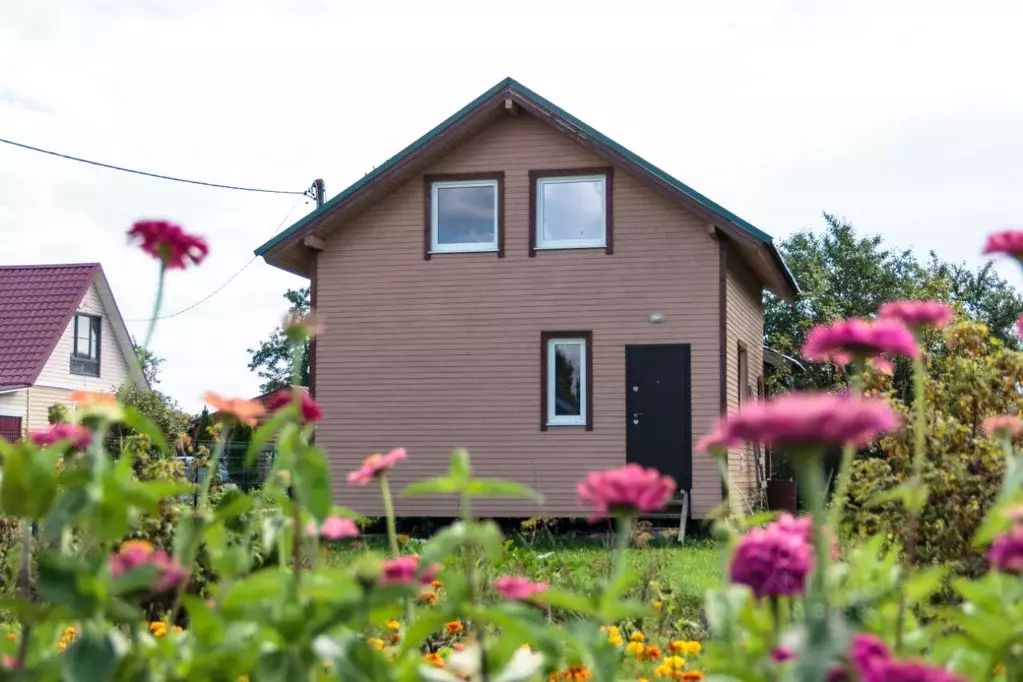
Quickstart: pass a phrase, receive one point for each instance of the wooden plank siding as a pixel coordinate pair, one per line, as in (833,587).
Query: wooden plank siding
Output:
(745,324)
(441,353)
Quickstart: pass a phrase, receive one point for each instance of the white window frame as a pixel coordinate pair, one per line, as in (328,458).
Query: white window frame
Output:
(541,243)
(471,247)
(554,419)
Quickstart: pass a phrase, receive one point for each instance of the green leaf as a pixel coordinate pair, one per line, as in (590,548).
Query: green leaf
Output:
(188,537)
(281,666)
(567,601)
(922,584)
(91,658)
(481,487)
(486,535)
(133,417)
(900,493)
(29,484)
(269,584)
(262,435)
(358,661)
(438,485)
(136,580)
(203,621)
(460,469)
(63,514)
(233,504)
(312,482)
(59,580)
(426,623)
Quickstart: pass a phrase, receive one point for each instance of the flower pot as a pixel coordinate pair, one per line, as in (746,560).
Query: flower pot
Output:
(781,496)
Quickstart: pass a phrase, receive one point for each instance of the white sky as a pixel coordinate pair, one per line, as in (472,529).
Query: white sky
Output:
(905,117)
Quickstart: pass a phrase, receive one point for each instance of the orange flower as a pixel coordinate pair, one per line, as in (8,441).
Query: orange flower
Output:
(652,653)
(677,646)
(93,398)
(454,627)
(436,584)
(403,538)
(434,659)
(245,411)
(428,597)
(395,637)
(693,675)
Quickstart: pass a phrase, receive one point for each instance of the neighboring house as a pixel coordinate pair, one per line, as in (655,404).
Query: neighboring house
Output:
(60,331)
(518,284)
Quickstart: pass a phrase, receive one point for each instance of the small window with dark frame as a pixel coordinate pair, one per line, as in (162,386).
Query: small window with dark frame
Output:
(743,365)
(464,215)
(85,350)
(567,382)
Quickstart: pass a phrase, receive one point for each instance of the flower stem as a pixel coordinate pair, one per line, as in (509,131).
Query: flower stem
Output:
(392,530)
(916,482)
(623,524)
(212,467)
(842,481)
(812,664)
(24,585)
(156,307)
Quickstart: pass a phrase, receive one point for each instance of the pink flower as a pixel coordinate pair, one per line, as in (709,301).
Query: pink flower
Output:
(402,571)
(307,407)
(918,314)
(517,587)
(1006,552)
(137,553)
(333,528)
(10,662)
(803,527)
(627,490)
(910,671)
(375,465)
(772,561)
(868,654)
(78,437)
(848,340)
(801,420)
(1003,426)
(1019,326)
(716,443)
(782,653)
(1010,243)
(169,244)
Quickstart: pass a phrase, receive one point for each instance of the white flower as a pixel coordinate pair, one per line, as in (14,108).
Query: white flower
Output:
(465,665)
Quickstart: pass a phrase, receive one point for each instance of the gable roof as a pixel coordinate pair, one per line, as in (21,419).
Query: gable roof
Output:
(36,305)
(480,112)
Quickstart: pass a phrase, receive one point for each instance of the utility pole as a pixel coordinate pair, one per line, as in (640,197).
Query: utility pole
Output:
(318,191)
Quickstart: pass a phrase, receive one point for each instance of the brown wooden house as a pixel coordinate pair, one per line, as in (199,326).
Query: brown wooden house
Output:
(516,283)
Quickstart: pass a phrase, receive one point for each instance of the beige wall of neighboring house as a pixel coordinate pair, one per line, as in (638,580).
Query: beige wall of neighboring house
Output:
(745,325)
(444,353)
(14,404)
(113,367)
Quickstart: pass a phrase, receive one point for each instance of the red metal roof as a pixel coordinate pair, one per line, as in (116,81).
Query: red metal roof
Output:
(36,304)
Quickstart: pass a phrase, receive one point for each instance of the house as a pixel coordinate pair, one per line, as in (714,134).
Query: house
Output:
(518,284)
(60,331)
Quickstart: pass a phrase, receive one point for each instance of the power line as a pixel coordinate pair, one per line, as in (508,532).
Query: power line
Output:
(229,279)
(154,175)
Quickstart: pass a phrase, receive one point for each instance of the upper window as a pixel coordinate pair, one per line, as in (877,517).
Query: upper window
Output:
(571,211)
(86,345)
(464,215)
(743,360)
(567,380)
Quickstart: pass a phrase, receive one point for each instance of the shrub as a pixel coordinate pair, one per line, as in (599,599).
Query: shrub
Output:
(57,413)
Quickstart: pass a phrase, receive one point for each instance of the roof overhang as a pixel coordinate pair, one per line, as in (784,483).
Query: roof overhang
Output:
(291,251)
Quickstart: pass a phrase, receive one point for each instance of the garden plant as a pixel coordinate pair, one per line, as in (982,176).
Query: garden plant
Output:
(237,586)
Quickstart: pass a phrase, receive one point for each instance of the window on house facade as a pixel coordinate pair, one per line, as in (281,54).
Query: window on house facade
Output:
(86,345)
(743,365)
(571,211)
(566,379)
(464,215)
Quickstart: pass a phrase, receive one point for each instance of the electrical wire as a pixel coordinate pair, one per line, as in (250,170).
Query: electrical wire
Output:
(154,175)
(229,279)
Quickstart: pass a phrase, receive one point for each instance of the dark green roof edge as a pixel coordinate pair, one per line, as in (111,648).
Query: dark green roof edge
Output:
(543,103)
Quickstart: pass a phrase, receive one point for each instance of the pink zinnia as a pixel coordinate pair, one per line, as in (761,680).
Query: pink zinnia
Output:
(308,410)
(717,443)
(78,437)
(918,314)
(1006,552)
(1009,243)
(517,587)
(137,553)
(333,528)
(848,340)
(803,527)
(910,671)
(782,653)
(868,654)
(375,465)
(800,420)
(169,244)
(1003,426)
(402,571)
(628,490)
(772,562)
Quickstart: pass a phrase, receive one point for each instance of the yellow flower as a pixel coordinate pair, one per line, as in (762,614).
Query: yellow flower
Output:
(11,637)
(243,678)
(637,636)
(675,662)
(393,624)
(642,679)
(434,659)
(658,605)
(693,647)
(453,628)
(614,640)
(677,646)
(177,628)
(376,643)
(634,649)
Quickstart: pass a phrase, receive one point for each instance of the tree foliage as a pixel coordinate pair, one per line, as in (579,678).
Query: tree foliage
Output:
(163,410)
(843,274)
(150,363)
(271,361)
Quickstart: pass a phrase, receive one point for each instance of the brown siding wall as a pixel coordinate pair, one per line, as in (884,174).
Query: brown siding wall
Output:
(436,354)
(745,323)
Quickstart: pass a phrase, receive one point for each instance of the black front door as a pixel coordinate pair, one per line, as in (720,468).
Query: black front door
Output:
(658,427)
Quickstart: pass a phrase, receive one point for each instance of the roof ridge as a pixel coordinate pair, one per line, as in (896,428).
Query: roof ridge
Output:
(46,266)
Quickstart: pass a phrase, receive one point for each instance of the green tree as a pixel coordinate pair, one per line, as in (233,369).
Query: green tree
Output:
(271,361)
(845,274)
(150,363)
(161,408)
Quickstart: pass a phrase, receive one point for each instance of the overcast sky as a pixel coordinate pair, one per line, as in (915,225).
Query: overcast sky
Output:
(905,117)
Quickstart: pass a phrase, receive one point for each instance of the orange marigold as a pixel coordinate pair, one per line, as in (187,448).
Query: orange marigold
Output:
(454,627)
(434,659)
(245,411)
(428,597)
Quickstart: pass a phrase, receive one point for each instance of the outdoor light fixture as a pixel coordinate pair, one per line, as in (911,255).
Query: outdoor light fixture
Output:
(657,318)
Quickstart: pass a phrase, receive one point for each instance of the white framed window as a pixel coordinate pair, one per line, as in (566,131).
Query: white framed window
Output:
(567,381)
(464,216)
(571,212)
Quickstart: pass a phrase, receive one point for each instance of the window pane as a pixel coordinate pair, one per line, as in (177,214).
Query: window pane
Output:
(567,379)
(82,327)
(573,210)
(465,215)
